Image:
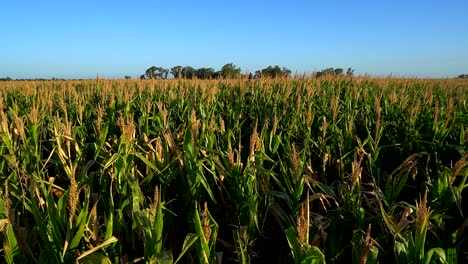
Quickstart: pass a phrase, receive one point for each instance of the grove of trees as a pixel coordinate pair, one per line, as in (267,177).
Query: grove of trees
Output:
(187,72)
(332,71)
(230,70)
(273,72)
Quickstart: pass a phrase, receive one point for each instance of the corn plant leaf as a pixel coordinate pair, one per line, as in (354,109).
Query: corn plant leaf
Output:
(294,243)
(95,258)
(96,248)
(137,196)
(202,246)
(158,228)
(435,252)
(80,224)
(146,161)
(164,257)
(188,242)
(10,246)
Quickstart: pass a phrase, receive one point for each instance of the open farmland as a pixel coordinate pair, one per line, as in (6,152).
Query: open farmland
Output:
(310,170)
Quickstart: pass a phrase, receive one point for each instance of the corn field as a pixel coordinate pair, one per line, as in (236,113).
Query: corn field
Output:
(305,170)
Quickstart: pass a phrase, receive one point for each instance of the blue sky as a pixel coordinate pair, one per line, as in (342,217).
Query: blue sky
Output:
(79,39)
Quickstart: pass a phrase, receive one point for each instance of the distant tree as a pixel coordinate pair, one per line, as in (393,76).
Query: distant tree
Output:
(5,79)
(330,71)
(142,77)
(188,72)
(176,71)
(463,76)
(286,72)
(154,72)
(350,72)
(161,73)
(217,75)
(273,72)
(230,71)
(150,72)
(324,72)
(338,71)
(127,77)
(204,73)
(258,74)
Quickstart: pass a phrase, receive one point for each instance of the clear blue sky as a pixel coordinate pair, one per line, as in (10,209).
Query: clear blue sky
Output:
(78,39)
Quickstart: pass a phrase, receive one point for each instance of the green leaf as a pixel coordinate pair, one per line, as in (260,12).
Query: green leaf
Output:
(188,242)
(164,257)
(158,229)
(203,248)
(95,258)
(315,255)
(91,251)
(439,253)
(146,161)
(10,243)
(293,242)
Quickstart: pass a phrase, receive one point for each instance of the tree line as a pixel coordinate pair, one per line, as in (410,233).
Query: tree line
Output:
(188,72)
(228,71)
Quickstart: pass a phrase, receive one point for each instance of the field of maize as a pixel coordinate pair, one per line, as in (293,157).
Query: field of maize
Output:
(304,170)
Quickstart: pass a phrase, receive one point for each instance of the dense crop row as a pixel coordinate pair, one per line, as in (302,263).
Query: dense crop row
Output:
(266,171)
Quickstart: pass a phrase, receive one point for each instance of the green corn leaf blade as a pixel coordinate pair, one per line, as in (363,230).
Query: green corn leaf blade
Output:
(275,143)
(462,136)
(202,247)
(103,136)
(35,137)
(294,243)
(373,255)
(388,219)
(80,223)
(158,229)
(78,236)
(137,195)
(95,258)
(315,255)
(402,252)
(189,148)
(394,194)
(57,224)
(43,232)
(435,253)
(451,255)
(96,248)
(147,235)
(146,161)
(200,177)
(2,213)
(6,140)
(214,231)
(10,246)
(110,217)
(420,239)
(112,160)
(188,242)
(299,190)
(164,257)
